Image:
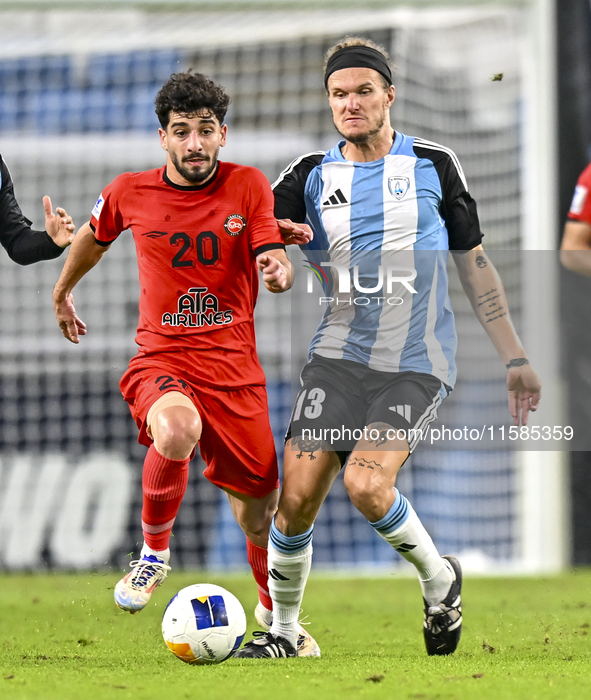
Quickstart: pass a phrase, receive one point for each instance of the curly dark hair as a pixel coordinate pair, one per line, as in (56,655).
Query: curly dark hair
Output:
(189,93)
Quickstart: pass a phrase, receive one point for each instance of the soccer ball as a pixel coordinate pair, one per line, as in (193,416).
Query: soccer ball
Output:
(203,624)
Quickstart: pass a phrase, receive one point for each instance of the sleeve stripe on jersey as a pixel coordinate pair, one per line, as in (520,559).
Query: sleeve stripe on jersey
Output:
(269,246)
(443,149)
(293,164)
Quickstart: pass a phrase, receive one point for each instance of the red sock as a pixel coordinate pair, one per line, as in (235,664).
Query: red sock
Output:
(257,558)
(164,483)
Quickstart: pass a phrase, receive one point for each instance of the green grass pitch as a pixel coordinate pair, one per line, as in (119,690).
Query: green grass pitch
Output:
(61,638)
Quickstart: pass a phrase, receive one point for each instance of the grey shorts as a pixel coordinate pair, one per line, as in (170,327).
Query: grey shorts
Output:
(340,398)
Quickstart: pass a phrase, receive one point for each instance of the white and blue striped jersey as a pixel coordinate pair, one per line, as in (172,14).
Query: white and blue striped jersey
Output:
(399,215)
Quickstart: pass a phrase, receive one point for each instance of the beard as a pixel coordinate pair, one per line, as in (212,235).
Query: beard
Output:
(192,175)
(362,138)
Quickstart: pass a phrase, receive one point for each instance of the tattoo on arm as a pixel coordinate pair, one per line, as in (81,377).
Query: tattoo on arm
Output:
(488,296)
(493,309)
(481,261)
(517,362)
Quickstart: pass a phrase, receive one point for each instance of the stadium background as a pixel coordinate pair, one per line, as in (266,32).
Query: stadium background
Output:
(76,108)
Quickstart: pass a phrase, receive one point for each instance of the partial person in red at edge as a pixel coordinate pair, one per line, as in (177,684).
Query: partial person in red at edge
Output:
(575,251)
(201,228)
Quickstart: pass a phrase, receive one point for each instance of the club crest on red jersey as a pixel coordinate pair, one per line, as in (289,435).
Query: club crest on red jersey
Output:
(235,224)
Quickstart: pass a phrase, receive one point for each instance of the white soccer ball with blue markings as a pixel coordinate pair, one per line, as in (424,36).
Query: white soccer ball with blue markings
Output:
(203,624)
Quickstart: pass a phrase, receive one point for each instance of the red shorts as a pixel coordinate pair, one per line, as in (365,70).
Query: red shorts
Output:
(236,442)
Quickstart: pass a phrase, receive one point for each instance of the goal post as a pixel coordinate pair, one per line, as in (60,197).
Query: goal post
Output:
(544,477)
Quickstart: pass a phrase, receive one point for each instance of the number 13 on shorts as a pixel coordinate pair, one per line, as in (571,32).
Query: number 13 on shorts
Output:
(314,408)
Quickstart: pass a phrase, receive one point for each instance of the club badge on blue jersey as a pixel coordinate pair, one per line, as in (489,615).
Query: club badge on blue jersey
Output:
(398,186)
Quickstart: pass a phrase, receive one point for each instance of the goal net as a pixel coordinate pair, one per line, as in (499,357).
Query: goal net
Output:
(72,117)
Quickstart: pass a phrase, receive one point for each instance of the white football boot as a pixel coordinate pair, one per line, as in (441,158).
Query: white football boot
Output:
(306,645)
(133,592)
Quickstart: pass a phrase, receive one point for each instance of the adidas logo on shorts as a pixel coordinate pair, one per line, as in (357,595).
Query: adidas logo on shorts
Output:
(404,411)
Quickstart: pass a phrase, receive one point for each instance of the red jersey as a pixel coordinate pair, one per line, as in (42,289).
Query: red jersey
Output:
(580,208)
(196,249)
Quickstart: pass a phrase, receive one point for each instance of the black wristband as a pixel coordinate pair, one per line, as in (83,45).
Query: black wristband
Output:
(517,362)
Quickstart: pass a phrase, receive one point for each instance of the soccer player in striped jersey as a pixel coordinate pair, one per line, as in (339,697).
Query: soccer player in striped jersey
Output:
(376,368)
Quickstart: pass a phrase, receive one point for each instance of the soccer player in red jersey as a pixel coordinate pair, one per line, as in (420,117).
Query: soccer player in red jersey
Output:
(201,228)
(576,240)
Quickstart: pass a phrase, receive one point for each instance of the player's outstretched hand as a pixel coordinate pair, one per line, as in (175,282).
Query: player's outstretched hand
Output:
(72,327)
(59,225)
(525,391)
(294,234)
(275,275)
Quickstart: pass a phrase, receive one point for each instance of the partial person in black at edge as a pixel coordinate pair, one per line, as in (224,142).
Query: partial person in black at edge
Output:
(23,244)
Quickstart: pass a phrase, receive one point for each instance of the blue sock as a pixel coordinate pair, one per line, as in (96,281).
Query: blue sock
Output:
(289,545)
(395,517)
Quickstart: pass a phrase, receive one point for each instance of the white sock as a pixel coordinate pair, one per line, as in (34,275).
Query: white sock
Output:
(436,589)
(265,615)
(164,554)
(402,529)
(290,560)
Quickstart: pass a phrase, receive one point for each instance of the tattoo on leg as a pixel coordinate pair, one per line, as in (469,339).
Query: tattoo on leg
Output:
(367,464)
(382,429)
(309,446)
(380,440)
